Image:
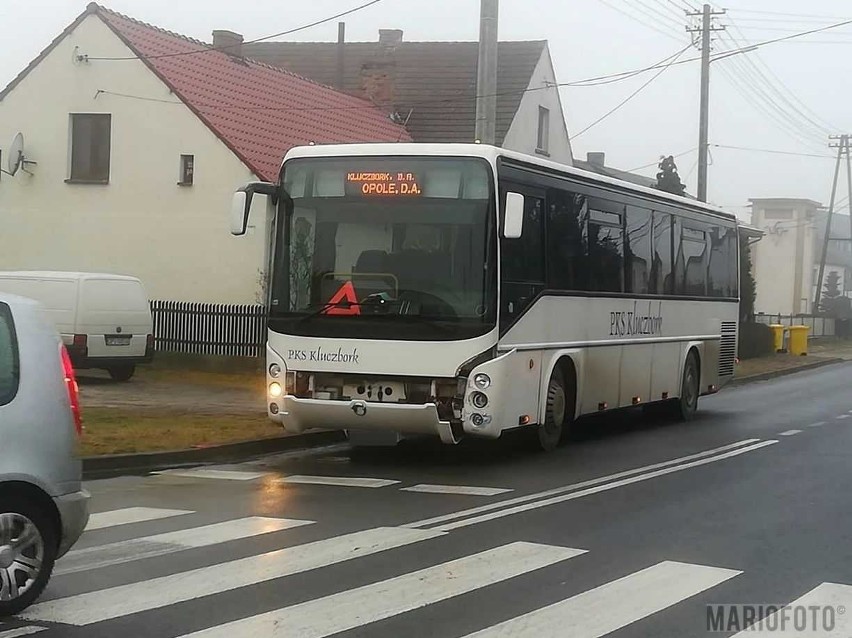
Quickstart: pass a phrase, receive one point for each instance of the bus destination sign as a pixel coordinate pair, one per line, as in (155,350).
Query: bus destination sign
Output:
(393,184)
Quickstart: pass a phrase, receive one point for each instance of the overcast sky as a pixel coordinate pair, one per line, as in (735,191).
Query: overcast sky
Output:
(779,98)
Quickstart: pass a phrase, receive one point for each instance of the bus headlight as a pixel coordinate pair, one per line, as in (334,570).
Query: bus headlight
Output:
(275,390)
(479,399)
(482,381)
(274,370)
(477,420)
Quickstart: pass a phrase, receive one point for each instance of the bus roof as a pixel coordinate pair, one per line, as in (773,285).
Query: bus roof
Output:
(491,153)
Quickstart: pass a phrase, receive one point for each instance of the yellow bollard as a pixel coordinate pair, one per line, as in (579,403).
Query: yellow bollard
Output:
(798,340)
(777,336)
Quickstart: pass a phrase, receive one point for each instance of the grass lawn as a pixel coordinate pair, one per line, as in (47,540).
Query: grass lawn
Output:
(116,431)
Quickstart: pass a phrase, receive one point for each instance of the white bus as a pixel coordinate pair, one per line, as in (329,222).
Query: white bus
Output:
(466,290)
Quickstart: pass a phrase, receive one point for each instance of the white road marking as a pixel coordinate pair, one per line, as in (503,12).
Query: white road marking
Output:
(341,481)
(116,602)
(790,433)
(845,416)
(616,604)
(601,488)
(171,542)
(576,486)
(783,624)
(817,424)
(358,607)
(22,631)
(455,489)
(130,515)
(221,475)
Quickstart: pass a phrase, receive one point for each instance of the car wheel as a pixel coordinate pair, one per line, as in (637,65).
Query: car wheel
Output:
(28,546)
(687,403)
(122,373)
(551,431)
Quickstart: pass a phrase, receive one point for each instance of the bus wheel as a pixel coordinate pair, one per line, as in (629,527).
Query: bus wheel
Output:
(550,432)
(687,404)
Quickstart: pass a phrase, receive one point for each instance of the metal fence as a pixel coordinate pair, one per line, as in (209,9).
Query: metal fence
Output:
(204,328)
(819,326)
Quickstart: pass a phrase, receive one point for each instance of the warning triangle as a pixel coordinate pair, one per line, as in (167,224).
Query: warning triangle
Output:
(337,305)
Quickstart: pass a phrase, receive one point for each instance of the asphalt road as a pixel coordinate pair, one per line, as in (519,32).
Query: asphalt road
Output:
(637,527)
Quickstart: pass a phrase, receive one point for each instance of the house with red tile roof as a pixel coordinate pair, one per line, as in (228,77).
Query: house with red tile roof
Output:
(135,139)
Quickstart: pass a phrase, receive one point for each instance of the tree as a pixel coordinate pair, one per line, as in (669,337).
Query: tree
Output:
(667,177)
(833,303)
(747,285)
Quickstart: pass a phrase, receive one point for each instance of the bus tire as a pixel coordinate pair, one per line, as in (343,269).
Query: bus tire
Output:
(687,403)
(551,431)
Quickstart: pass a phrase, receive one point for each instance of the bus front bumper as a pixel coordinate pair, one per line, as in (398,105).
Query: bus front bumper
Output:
(298,415)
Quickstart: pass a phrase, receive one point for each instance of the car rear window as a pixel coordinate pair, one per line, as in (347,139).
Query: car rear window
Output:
(9,367)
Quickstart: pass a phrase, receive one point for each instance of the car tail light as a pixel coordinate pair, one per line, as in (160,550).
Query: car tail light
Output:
(73,389)
(149,342)
(81,341)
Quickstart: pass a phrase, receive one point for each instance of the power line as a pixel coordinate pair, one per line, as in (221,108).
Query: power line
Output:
(783,123)
(592,81)
(786,94)
(657,162)
(770,150)
(794,15)
(635,93)
(777,99)
(762,20)
(639,20)
(266,37)
(657,14)
(680,8)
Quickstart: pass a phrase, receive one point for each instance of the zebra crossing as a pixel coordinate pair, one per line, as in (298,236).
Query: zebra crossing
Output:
(380,595)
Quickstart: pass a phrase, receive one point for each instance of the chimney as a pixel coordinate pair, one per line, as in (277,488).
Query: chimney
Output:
(596,159)
(377,83)
(228,42)
(390,38)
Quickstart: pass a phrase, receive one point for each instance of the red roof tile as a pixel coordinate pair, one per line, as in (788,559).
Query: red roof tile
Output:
(257,110)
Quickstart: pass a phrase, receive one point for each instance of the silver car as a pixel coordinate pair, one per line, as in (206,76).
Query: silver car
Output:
(43,508)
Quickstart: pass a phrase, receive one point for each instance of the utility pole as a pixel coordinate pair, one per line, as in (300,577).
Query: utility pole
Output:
(706,28)
(841,143)
(486,74)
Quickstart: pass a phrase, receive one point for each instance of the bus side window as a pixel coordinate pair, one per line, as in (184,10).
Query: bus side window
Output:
(566,253)
(606,251)
(638,250)
(522,261)
(662,283)
(691,262)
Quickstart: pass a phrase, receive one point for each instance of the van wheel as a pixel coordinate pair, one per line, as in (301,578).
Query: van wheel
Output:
(686,406)
(28,546)
(550,432)
(122,373)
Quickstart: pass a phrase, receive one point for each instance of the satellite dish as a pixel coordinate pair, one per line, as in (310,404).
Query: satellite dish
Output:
(16,154)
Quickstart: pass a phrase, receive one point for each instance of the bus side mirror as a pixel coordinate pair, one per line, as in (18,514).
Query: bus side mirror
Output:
(240,207)
(513,218)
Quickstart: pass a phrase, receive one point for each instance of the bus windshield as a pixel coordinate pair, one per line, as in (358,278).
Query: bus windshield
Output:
(385,248)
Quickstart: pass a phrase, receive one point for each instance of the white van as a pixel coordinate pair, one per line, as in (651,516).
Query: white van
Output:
(105,320)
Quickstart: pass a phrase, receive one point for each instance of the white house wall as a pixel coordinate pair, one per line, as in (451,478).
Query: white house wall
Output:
(175,238)
(522,135)
(783,285)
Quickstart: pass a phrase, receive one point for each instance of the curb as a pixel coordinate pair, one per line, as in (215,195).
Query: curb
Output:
(765,376)
(117,464)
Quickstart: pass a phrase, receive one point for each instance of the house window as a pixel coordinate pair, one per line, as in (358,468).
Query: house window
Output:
(187,170)
(90,147)
(543,130)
